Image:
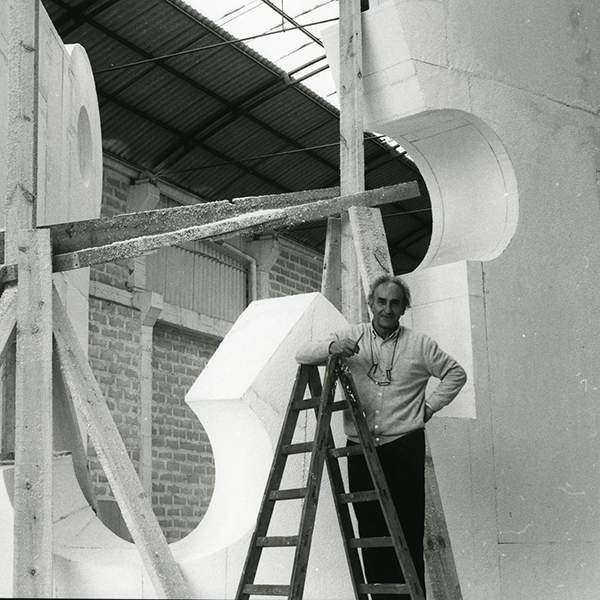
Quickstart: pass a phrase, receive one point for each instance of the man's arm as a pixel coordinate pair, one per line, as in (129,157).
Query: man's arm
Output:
(451,375)
(342,343)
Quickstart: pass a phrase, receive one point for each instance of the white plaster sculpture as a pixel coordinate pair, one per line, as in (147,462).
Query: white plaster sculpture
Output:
(490,98)
(468,173)
(240,398)
(69,146)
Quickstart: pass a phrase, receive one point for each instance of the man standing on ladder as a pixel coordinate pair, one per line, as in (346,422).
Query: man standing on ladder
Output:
(391,366)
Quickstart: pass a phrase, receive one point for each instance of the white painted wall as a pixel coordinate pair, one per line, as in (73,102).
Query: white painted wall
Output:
(520,483)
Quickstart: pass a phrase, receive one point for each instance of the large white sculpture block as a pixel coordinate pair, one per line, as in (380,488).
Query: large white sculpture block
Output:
(497,104)
(414,97)
(240,398)
(68,137)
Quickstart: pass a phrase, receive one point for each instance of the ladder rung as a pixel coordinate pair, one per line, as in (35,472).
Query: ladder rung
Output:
(267,590)
(370,542)
(340,405)
(297,448)
(316,402)
(287,494)
(367,496)
(346,451)
(383,588)
(279,540)
(306,404)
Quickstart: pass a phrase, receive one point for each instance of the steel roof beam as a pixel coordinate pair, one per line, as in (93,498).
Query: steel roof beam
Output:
(225,157)
(77,15)
(293,21)
(231,108)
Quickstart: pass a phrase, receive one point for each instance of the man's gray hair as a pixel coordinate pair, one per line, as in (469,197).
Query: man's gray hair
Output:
(390,279)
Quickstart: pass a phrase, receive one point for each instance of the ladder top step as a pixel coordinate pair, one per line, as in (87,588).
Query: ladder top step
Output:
(371,542)
(297,448)
(383,588)
(267,590)
(279,541)
(366,496)
(290,494)
(346,451)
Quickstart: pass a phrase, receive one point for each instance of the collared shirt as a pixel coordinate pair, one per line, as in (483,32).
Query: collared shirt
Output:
(411,358)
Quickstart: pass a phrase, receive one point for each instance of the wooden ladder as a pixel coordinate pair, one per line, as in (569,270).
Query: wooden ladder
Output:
(323,450)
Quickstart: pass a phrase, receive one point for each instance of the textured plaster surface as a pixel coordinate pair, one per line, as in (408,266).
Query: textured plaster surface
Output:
(519,484)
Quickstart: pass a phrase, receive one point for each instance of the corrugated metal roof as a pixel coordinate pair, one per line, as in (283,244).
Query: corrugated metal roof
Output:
(201,120)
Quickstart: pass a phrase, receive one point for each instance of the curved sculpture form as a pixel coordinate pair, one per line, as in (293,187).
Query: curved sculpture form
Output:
(240,398)
(412,96)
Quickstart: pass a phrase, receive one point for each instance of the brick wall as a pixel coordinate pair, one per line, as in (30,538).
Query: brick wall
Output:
(114,351)
(183,467)
(296,270)
(114,201)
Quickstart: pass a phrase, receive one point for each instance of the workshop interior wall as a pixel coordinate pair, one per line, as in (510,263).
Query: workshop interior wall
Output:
(183,465)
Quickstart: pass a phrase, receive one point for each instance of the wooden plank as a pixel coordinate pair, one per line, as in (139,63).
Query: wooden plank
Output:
(32,574)
(68,237)
(351,497)
(290,494)
(363,240)
(372,542)
(67,435)
(266,590)
(345,451)
(255,222)
(136,509)
(99,232)
(300,448)
(439,558)
(384,588)
(23,80)
(277,541)
(352,168)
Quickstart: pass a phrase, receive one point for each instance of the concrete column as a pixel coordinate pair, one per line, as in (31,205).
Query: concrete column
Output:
(150,305)
(265,251)
(142,195)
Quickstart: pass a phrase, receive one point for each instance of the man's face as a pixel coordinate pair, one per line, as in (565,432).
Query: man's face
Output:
(387,306)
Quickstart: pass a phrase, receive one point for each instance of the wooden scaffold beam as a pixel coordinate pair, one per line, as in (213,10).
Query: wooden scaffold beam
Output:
(30,249)
(356,247)
(85,393)
(172,226)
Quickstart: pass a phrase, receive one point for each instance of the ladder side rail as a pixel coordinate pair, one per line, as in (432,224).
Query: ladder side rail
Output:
(380,484)
(313,485)
(342,510)
(273,481)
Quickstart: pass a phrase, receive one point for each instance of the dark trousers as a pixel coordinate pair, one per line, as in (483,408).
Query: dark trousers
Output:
(403,463)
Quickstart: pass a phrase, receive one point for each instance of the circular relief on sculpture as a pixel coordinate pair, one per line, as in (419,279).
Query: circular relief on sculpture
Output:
(84,145)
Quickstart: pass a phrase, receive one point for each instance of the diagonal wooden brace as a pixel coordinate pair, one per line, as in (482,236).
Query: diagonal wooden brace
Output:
(256,221)
(136,509)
